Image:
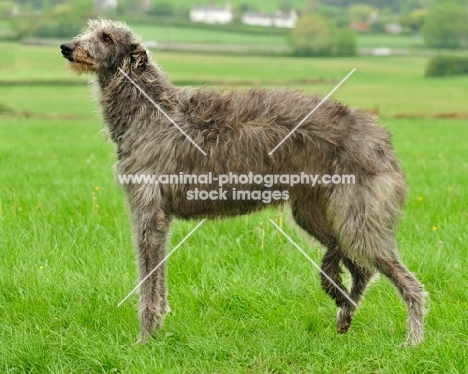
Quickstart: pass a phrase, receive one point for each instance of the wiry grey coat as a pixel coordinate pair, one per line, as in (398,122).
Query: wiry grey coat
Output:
(237,130)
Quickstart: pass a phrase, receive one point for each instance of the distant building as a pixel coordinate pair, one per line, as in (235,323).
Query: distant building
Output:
(374,17)
(359,26)
(106,4)
(382,51)
(220,15)
(279,19)
(147,5)
(393,28)
(257,19)
(286,20)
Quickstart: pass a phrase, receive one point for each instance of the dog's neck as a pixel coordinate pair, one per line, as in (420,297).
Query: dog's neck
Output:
(118,88)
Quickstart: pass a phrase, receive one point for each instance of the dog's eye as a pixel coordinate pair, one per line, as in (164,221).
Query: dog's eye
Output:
(106,38)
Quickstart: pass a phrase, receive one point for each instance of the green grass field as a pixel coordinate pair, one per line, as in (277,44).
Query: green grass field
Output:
(392,85)
(203,36)
(197,35)
(263,5)
(243,299)
(391,41)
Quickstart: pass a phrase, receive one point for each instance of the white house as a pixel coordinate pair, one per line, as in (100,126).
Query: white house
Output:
(106,4)
(393,28)
(220,15)
(279,19)
(257,19)
(286,20)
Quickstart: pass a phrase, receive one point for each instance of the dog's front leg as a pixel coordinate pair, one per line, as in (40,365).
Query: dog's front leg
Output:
(151,230)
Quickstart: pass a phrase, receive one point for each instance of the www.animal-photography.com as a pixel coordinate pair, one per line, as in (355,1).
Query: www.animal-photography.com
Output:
(233,187)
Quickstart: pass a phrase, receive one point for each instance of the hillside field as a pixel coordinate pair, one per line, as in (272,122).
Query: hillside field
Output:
(243,299)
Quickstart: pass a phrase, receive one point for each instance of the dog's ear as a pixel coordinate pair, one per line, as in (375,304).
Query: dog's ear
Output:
(139,58)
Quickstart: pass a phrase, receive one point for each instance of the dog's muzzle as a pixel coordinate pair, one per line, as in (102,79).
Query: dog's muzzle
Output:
(67,51)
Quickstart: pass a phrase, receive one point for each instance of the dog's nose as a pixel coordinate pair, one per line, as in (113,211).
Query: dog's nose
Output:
(67,49)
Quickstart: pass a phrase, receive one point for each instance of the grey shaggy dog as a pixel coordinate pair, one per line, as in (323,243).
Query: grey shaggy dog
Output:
(237,129)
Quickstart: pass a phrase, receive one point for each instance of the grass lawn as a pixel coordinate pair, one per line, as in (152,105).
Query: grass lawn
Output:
(4,25)
(392,85)
(243,299)
(195,35)
(391,41)
(203,36)
(262,5)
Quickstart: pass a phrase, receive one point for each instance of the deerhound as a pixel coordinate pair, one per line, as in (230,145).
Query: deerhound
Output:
(237,130)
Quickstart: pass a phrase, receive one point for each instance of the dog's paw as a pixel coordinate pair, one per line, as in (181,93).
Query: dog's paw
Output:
(343,322)
(413,339)
(166,309)
(143,338)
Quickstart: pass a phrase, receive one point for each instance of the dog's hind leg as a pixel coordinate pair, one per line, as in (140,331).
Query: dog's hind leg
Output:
(365,218)
(332,268)
(412,292)
(361,277)
(312,218)
(386,261)
(151,230)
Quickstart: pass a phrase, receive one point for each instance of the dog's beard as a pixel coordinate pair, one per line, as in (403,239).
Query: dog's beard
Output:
(80,68)
(81,62)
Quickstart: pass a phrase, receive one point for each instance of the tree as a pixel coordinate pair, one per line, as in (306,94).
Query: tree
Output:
(6,8)
(459,2)
(446,26)
(64,20)
(360,12)
(285,6)
(162,9)
(414,20)
(408,6)
(246,7)
(311,6)
(312,36)
(36,4)
(441,66)
(131,6)
(345,42)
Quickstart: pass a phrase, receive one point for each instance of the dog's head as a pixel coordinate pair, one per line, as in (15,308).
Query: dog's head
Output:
(104,46)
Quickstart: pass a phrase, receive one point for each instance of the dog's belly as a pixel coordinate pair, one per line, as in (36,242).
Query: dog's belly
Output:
(216,209)
(195,202)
